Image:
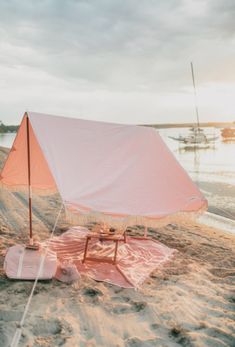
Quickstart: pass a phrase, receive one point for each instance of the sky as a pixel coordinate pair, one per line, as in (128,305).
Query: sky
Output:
(118,61)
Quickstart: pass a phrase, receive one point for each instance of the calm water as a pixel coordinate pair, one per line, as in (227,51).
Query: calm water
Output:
(214,164)
(6,140)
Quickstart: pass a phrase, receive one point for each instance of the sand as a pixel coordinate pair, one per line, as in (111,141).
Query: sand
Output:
(188,302)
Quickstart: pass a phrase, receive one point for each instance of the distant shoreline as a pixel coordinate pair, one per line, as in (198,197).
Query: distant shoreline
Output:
(190,125)
(7,129)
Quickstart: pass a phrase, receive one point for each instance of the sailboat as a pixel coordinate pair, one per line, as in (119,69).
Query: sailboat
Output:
(196,135)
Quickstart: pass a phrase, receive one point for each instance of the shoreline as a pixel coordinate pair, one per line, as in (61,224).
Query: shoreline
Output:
(221,198)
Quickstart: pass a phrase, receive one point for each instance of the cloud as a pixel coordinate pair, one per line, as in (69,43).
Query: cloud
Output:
(120,47)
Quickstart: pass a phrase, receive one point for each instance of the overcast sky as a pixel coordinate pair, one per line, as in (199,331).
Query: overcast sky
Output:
(120,61)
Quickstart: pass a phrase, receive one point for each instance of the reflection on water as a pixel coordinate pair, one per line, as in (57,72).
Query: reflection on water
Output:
(213,163)
(6,140)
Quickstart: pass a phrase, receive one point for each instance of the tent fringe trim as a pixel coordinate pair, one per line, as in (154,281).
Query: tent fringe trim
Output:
(76,218)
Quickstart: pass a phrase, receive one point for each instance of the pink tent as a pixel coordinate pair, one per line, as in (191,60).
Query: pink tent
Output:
(111,172)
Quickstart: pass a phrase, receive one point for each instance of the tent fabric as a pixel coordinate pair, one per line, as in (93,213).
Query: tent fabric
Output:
(15,171)
(113,171)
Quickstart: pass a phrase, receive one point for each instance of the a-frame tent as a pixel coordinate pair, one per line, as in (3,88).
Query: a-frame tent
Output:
(101,170)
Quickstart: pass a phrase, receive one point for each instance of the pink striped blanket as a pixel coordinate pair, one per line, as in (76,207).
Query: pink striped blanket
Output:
(136,259)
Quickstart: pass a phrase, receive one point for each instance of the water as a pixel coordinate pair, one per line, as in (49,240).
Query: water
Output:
(6,140)
(213,170)
(213,164)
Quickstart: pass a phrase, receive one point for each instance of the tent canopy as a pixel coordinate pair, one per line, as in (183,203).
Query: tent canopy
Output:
(121,171)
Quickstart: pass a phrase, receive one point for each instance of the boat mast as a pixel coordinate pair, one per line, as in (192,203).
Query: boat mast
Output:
(195,96)
(29,182)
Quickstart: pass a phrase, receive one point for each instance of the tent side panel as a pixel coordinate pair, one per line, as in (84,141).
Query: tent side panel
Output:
(15,170)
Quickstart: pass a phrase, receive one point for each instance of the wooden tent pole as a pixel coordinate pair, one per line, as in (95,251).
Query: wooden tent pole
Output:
(29,183)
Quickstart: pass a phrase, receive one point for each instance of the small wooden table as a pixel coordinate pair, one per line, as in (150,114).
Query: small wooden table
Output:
(104,237)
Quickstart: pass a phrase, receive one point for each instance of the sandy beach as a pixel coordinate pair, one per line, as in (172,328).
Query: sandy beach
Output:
(188,302)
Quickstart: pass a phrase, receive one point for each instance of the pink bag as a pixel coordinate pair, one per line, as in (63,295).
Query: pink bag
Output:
(23,263)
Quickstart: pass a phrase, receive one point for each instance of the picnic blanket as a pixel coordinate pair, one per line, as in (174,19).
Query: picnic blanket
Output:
(136,258)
